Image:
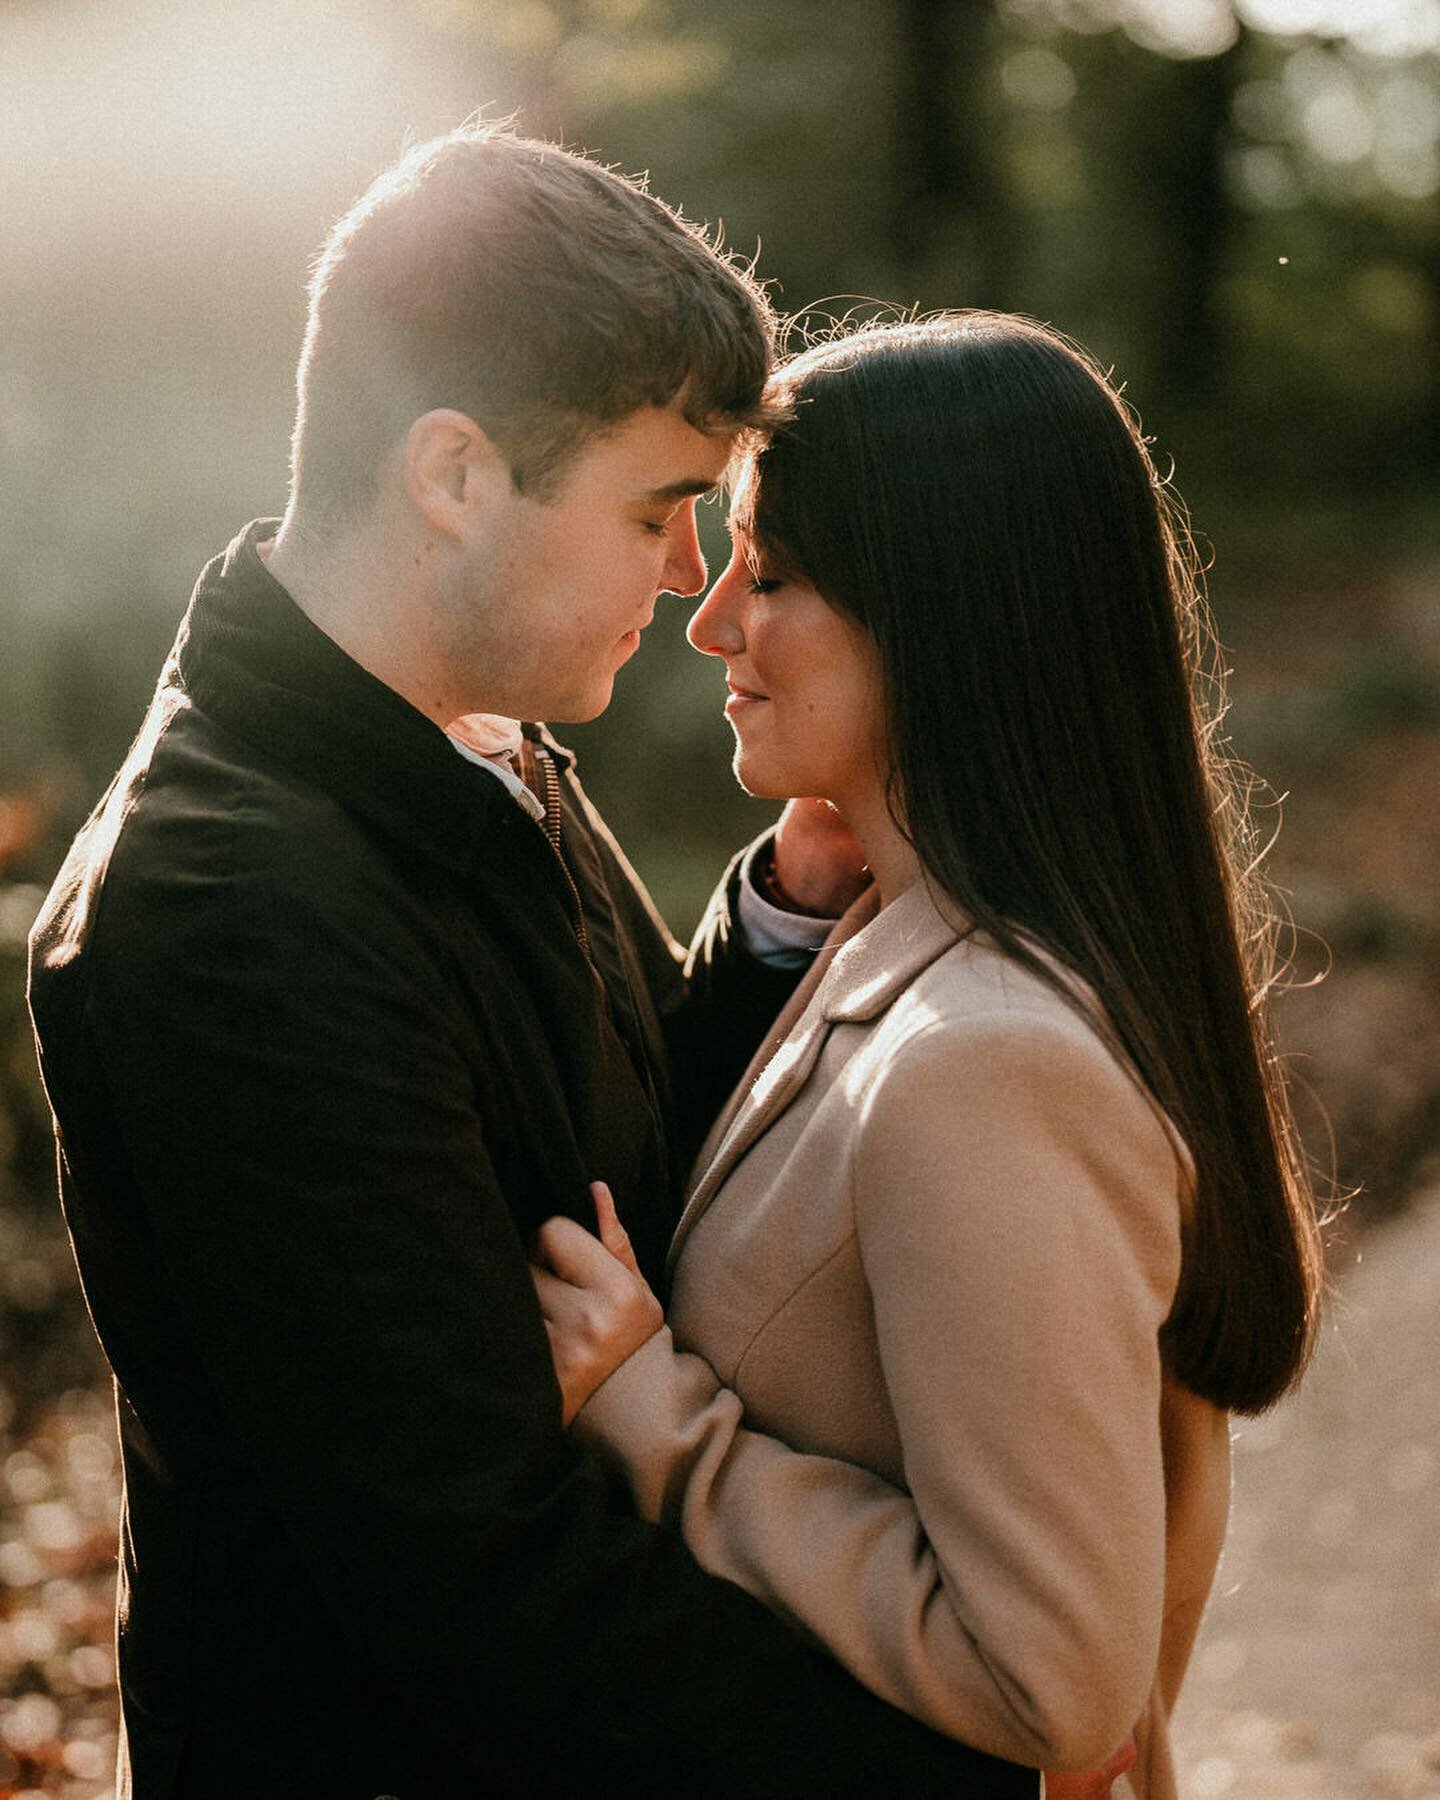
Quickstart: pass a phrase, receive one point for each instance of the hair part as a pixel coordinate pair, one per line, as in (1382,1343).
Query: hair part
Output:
(541,294)
(971,489)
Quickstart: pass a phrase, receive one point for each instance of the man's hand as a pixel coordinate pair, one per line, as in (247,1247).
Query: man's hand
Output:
(1094,1784)
(597,1305)
(819,865)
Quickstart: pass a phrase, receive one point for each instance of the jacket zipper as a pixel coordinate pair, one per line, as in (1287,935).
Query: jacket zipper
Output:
(550,796)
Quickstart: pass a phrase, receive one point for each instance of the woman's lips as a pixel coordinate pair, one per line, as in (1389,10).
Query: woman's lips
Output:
(740,699)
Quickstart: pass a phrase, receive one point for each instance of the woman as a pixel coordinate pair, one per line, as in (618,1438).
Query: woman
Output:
(1009,1212)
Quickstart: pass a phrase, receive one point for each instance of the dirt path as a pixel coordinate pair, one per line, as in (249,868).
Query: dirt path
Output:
(1317,1675)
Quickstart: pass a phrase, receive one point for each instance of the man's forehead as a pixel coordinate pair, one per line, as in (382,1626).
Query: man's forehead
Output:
(667,459)
(695,466)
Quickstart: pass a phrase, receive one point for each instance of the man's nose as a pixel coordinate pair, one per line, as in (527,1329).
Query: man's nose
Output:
(685,569)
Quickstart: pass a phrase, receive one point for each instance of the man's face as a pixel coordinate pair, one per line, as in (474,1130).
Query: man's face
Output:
(553,594)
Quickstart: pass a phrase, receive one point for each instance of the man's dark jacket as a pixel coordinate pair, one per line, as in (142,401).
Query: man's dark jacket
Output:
(324,1048)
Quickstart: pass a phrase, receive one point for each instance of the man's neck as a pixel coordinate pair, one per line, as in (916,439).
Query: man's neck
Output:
(353,589)
(327,577)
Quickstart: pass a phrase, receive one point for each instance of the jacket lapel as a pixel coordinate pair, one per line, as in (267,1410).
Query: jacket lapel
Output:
(868,960)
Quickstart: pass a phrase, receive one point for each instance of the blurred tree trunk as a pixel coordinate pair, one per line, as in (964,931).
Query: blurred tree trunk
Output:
(1186,162)
(952,227)
(1429,372)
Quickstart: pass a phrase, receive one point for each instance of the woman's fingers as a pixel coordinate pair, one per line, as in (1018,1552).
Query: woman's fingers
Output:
(585,1290)
(574,1253)
(613,1234)
(595,1304)
(550,1291)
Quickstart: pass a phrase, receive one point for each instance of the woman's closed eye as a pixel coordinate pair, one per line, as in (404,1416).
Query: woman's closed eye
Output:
(763,578)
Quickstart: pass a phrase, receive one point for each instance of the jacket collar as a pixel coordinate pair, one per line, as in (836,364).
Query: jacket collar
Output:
(248,658)
(869,960)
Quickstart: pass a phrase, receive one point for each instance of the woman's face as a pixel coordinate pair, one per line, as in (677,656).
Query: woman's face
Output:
(806,694)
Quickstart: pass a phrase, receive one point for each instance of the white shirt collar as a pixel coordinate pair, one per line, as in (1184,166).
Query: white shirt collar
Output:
(492,742)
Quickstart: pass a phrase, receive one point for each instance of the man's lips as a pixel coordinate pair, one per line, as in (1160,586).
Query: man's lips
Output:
(631,638)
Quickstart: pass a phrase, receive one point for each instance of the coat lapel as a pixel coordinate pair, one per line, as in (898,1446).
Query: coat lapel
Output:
(868,960)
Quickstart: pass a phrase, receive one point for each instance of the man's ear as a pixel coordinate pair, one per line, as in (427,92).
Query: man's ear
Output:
(451,469)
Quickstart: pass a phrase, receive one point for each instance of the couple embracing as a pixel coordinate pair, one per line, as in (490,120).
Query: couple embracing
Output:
(549,1362)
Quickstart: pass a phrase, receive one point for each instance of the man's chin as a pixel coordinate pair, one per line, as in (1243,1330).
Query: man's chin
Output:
(580,709)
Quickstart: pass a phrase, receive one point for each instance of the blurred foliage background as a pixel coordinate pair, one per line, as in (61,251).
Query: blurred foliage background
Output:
(1234,205)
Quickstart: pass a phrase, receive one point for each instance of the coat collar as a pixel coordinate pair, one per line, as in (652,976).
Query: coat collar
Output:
(880,957)
(250,659)
(868,961)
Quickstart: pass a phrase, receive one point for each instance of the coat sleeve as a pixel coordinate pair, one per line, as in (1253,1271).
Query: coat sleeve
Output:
(299,1114)
(1015,1205)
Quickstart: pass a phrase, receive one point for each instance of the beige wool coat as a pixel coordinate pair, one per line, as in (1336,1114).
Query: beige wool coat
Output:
(911,1393)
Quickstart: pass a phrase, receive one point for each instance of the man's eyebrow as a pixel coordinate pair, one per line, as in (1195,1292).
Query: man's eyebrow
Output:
(680,490)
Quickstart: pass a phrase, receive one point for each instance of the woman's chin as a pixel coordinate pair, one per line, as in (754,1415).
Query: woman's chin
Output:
(760,782)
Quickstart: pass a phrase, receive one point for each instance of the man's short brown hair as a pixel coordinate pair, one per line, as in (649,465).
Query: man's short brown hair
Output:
(539,293)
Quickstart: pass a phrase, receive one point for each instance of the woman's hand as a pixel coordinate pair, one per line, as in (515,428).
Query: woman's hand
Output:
(597,1306)
(818,862)
(1095,1783)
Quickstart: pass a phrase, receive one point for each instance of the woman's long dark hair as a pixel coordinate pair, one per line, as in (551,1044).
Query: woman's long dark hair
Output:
(973,492)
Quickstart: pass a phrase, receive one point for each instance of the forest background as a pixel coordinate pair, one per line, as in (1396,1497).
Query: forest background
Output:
(1233,205)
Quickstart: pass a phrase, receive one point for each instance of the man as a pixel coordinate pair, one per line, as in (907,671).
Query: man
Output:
(335,1006)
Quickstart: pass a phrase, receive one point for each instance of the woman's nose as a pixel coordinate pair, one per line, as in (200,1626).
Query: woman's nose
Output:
(714,626)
